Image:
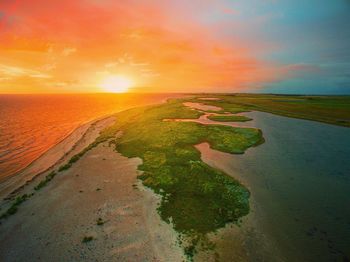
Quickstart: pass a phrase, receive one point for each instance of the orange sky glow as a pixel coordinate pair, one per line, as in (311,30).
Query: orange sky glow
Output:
(73,46)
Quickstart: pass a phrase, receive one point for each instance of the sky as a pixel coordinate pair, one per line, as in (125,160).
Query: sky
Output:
(269,46)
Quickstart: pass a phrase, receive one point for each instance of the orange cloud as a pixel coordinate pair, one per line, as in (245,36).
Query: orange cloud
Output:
(78,42)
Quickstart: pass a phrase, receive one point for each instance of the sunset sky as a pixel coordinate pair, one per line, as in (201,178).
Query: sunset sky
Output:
(284,46)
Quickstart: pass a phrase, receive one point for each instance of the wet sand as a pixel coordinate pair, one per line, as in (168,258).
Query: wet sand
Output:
(102,184)
(200,106)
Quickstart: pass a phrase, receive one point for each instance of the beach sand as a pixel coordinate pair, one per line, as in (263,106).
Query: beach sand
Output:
(102,184)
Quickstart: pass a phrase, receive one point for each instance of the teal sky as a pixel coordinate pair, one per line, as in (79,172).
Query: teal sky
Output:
(314,34)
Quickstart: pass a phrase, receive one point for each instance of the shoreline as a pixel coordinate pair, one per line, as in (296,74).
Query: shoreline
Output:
(83,124)
(10,186)
(101,198)
(54,155)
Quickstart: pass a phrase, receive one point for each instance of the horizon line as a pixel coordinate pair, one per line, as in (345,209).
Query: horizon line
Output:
(185,93)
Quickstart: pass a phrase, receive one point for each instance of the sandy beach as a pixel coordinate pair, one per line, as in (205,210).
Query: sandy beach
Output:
(101,185)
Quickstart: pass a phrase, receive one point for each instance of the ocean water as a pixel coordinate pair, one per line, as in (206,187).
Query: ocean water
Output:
(31,124)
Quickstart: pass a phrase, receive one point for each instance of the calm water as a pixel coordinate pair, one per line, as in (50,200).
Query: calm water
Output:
(31,124)
(300,184)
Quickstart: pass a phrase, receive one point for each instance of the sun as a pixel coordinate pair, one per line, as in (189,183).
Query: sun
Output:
(116,84)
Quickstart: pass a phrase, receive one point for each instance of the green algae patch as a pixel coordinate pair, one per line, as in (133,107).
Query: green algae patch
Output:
(229,118)
(196,198)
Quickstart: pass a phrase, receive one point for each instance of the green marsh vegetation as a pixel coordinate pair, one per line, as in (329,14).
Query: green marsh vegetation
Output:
(100,222)
(87,239)
(229,118)
(14,206)
(44,182)
(196,198)
(329,109)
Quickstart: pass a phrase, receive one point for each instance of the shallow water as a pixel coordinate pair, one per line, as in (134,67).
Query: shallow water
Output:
(31,124)
(300,185)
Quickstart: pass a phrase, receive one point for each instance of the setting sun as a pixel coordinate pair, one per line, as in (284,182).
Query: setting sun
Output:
(116,84)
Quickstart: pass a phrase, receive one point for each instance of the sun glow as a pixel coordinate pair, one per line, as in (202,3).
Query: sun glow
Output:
(116,84)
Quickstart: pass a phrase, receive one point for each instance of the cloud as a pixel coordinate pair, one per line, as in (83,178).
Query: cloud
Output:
(68,51)
(13,72)
(49,67)
(111,65)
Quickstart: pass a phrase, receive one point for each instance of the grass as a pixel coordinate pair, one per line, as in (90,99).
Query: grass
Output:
(20,199)
(229,118)
(87,239)
(75,158)
(196,198)
(328,109)
(100,222)
(44,182)
(14,207)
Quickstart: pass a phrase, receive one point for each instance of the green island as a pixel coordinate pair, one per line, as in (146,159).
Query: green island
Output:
(229,118)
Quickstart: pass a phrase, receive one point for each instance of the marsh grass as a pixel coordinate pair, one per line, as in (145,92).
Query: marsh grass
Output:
(100,222)
(196,198)
(14,206)
(75,158)
(87,239)
(44,182)
(229,118)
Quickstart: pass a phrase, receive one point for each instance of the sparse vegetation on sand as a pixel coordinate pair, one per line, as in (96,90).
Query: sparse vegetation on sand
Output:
(196,198)
(87,239)
(14,206)
(102,138)
(44,182)
(229,118)
(100,222)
